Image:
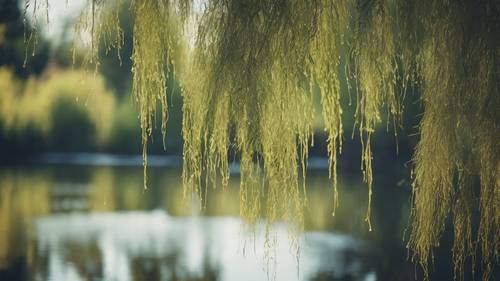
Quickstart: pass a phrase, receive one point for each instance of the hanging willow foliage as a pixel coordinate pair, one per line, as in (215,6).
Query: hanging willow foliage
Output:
(248,76)
(458,63)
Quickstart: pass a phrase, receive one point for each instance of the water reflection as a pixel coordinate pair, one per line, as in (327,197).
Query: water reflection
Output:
(98,223)
(156,246)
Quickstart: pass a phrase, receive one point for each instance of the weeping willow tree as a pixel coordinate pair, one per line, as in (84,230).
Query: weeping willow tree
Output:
(249,70)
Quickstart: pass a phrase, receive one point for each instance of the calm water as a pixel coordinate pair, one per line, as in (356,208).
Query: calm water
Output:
(95,222)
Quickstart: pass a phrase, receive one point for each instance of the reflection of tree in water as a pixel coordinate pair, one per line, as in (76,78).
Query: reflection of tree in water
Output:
(17,210)
(121,189)
(87,260)
(144,269)
(16,271)
(329,276)
(355,265)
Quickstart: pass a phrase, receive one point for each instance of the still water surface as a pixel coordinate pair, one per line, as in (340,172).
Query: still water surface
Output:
(95,222)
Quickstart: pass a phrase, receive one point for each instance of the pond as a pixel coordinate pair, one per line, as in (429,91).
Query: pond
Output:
(91,219)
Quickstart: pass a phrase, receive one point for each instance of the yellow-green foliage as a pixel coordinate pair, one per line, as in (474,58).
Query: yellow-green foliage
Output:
(459,143)
(155,39)
(98,24)
(156,46)
(9,87)
(248,84)
(33,105)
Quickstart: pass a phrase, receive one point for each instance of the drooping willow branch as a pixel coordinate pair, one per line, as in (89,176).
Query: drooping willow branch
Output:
(249,70)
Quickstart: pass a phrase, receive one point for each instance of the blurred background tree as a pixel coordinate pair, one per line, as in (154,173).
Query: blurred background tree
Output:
(13,50)
(38,83)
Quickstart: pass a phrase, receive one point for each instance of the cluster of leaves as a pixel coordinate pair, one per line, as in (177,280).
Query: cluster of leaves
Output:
(249,70)
(46,103)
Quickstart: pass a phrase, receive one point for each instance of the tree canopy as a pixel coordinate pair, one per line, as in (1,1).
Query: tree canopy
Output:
(249,71)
